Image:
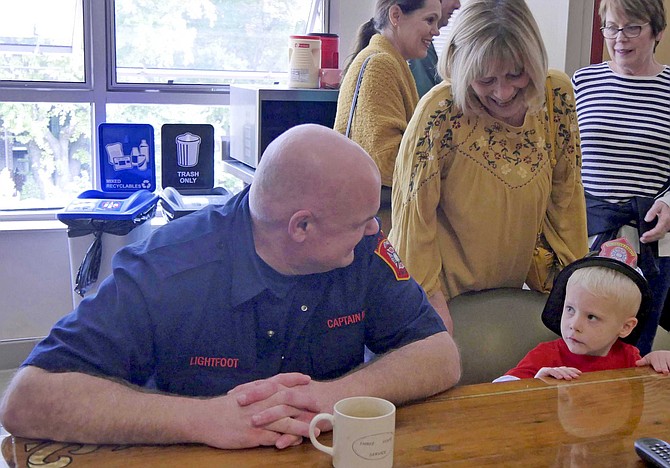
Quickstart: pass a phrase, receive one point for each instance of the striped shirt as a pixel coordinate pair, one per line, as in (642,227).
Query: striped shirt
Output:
(624,124)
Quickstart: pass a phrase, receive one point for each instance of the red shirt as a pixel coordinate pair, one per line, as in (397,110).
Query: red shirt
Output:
(556,354)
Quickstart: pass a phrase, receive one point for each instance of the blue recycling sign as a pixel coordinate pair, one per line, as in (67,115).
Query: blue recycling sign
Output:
(127,157)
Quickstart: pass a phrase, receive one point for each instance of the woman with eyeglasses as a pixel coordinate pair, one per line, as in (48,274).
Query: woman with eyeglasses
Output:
(623,111)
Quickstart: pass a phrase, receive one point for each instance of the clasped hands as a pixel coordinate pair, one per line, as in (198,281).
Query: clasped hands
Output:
(274,411)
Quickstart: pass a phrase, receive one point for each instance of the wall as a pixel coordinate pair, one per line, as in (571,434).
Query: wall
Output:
(34,284)
(565,26)
(35,280)
(345,18)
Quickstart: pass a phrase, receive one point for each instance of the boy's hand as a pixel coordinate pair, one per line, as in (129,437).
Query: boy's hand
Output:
(561,373)
(658,360)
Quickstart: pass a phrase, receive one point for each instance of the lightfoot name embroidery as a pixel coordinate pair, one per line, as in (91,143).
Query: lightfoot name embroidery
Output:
(203,361)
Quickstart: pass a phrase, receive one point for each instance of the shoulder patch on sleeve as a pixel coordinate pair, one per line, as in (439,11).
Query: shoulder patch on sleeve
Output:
(387,253)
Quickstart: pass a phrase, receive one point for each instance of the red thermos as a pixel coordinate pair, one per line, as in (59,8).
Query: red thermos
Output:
(330,44)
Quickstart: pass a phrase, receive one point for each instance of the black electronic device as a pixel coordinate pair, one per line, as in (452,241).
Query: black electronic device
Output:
(655,452)
(259,114)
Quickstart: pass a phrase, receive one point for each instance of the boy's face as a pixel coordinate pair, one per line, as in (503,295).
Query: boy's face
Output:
(591,324)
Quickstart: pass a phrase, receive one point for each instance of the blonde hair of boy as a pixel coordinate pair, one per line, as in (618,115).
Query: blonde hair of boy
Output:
(605,282)
(487,34)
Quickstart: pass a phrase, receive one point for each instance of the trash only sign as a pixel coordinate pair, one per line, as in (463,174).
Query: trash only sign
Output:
(187,151)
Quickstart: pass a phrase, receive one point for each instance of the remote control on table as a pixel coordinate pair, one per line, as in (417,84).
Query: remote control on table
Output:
(653,451)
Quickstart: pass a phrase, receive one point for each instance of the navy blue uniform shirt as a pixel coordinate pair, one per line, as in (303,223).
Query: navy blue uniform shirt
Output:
(193,310)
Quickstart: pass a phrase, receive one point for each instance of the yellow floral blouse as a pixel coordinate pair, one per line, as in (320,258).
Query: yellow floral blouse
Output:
(471,194)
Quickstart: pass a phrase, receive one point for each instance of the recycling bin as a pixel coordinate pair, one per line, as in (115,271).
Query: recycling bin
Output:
(99,224)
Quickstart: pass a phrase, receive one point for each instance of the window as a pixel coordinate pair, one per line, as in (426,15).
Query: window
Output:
(35,48)
(45,153)
(68,65)
(441,40)
(208,42)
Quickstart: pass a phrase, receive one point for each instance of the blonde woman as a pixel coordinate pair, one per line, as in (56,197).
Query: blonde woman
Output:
(488,172)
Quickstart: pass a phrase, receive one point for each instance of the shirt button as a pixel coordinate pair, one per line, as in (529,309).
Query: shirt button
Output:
(282,358)
(271,333)
(304,308)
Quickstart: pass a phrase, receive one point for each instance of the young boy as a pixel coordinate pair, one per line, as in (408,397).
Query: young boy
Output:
(595,305)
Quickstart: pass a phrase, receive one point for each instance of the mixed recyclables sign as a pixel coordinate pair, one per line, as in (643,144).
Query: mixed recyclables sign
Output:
(127,161)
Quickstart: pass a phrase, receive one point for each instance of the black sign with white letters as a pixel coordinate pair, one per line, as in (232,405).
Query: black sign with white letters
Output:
(187,152)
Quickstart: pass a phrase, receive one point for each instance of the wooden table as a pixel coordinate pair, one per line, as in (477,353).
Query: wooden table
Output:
(587,423)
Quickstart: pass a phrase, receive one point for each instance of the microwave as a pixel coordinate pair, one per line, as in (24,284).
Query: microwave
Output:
(259,114)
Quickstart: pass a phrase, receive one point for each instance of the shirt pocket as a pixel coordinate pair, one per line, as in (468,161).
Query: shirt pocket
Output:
(337,346)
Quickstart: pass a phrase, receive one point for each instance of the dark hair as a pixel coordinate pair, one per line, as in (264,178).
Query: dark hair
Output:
(379,22)
(652,11)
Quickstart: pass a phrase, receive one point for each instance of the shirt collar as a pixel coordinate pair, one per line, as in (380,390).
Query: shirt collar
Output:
(250,275)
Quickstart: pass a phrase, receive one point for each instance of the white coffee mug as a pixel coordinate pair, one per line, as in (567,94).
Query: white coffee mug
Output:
(363,433)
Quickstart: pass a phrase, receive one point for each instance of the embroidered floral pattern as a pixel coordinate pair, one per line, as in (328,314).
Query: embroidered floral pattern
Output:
(514,156)
(426,141)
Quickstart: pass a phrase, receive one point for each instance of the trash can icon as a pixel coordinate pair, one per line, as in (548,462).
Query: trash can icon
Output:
(188,147)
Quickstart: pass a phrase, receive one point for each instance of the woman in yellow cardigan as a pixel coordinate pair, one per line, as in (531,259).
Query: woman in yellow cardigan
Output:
(488,172)
(399,31)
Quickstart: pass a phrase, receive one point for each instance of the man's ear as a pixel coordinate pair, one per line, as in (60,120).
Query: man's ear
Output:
(627,327)
(300,224)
